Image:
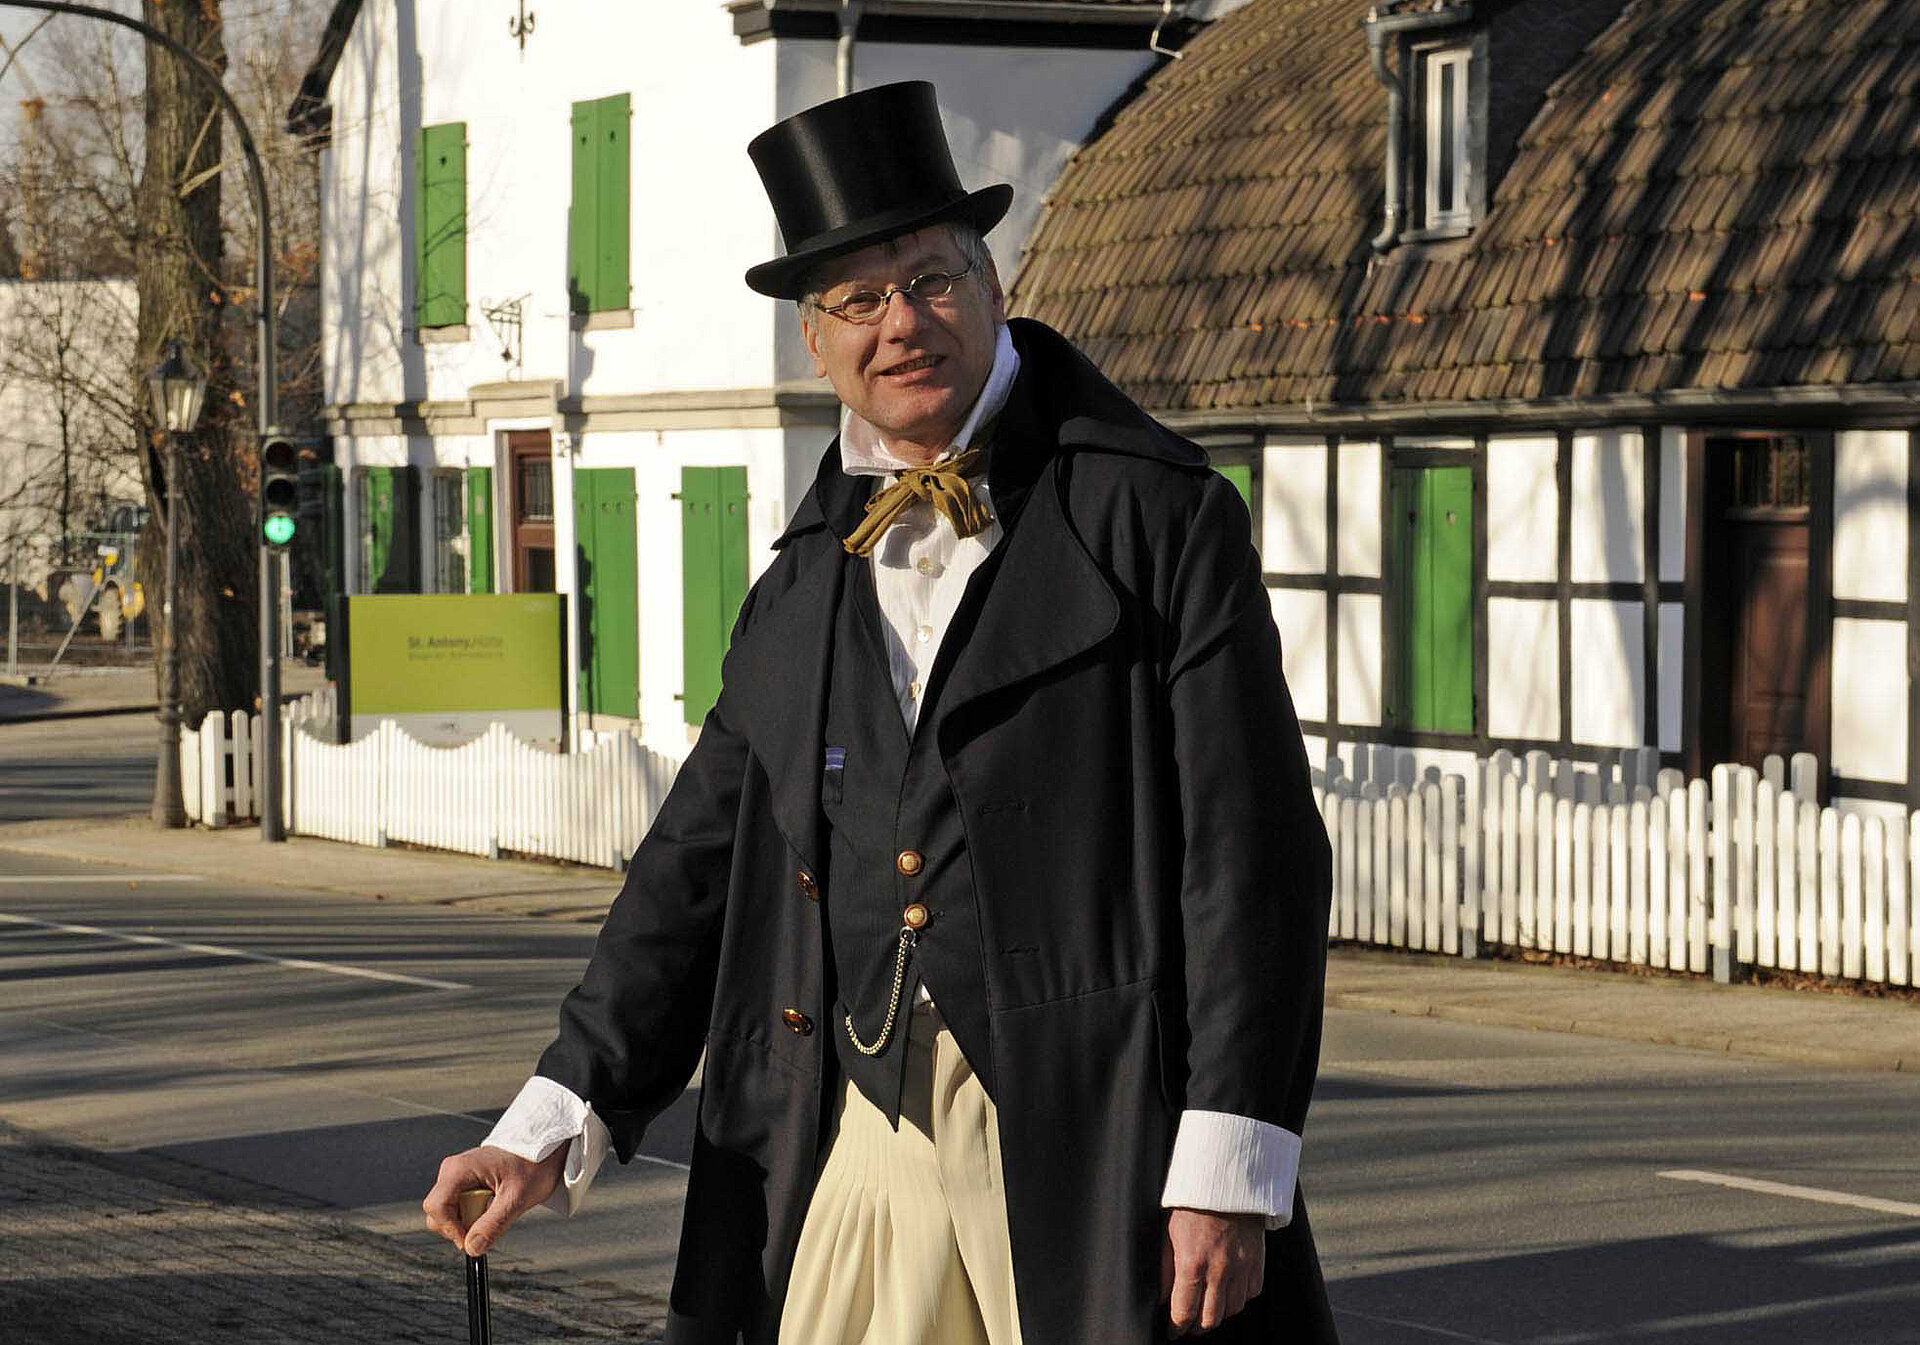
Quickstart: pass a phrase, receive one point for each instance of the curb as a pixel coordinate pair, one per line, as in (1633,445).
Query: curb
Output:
(95,712)
(1720,1044)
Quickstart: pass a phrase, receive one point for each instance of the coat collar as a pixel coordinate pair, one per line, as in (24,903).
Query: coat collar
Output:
(1048,604)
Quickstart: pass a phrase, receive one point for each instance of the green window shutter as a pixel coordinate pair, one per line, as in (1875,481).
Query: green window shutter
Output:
(480,529)
(614,175)
(583,215)
(1431,603)
(603,502)
(376,525)
(440,225)
(598,229)
(713,512)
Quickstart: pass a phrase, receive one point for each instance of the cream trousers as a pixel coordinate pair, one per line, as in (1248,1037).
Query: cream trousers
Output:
(905,1241)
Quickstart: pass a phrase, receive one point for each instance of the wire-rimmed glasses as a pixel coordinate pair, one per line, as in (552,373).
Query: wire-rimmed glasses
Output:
(867,306)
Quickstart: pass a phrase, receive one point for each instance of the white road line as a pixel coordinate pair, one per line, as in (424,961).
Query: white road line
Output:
(1813,1193)
(216,950)
(1439,1331)
(116,878)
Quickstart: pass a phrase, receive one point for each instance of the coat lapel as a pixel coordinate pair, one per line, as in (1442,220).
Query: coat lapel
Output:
(1047,604)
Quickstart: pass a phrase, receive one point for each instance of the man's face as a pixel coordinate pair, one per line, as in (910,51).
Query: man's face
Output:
(913,374)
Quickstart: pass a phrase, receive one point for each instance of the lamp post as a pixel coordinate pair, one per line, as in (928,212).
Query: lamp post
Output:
(266,399)
(178,390)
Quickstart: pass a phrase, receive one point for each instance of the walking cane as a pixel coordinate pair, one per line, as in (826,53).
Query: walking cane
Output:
(473,1204)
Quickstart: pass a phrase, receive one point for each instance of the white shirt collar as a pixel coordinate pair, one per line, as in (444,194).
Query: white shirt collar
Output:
(864,452)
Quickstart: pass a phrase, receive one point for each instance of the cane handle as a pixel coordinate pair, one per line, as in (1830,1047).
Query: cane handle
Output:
(473,1204)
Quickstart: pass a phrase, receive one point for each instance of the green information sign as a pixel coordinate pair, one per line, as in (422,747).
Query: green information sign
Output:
(456,656)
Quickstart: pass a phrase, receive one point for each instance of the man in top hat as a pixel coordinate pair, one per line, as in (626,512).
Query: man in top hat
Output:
(993,890)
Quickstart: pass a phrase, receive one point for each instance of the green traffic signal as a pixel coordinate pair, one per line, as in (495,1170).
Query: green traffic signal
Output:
(279,489)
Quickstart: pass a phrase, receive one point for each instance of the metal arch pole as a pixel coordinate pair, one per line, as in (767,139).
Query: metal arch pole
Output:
(266,394)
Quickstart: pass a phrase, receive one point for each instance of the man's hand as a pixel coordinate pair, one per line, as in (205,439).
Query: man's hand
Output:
(1210,1265)
(517,1187)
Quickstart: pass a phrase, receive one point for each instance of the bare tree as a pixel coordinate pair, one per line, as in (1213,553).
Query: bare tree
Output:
(122,172)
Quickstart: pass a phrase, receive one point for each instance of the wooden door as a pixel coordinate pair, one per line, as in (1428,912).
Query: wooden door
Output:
(1762,616)
(1430,598)
(530,478)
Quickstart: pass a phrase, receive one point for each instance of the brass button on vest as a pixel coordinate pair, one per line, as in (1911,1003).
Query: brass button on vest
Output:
(797,1021)
(808,887)
(909,862)
(915,916)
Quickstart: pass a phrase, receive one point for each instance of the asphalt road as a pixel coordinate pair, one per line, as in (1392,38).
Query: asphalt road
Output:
(77,767)
(1468,1184)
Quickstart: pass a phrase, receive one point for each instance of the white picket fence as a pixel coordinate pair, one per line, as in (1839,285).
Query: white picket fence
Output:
(493,794)
(1636,865)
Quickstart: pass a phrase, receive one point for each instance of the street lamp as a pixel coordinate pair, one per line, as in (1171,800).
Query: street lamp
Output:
(177,389)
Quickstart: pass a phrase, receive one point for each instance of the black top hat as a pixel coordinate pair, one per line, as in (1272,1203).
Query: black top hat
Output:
(855,171)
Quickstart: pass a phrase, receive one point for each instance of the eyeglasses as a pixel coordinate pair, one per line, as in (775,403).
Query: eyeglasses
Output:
(867,306)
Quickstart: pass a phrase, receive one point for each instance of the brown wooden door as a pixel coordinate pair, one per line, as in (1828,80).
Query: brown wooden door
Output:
(1767,707)
(1762,674)
(530,479)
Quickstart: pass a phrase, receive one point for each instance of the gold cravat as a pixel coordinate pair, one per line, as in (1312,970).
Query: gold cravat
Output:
(944,486)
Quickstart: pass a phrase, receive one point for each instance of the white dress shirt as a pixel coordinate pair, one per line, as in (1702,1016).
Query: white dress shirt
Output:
(1221,1162)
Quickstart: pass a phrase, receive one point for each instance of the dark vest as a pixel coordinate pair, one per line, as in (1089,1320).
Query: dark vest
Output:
(885,794)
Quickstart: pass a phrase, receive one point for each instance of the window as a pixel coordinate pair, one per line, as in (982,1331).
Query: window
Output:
(450,539)
(1449,142)
(440,226)
(713,576)
(598,231)
(531,478)
(1430,599)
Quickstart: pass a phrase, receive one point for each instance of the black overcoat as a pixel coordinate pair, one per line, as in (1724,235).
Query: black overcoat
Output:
(1151,877)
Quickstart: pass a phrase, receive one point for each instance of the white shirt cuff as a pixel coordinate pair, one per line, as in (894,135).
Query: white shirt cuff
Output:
(544,1116)
(1231,1164)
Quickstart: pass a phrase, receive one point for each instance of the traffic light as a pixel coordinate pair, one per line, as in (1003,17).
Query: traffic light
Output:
(279,490)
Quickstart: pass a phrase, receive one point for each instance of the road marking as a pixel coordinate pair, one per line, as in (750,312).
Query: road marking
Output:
(1695,1322)
(1813,1193)
(217,950)
(1439,1331)
(102,878)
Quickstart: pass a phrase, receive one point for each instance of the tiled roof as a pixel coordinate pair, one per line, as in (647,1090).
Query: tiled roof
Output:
(1719,194)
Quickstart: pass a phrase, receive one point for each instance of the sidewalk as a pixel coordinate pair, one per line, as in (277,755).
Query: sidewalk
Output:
(1842,1031)
(81,692)
(119,1249)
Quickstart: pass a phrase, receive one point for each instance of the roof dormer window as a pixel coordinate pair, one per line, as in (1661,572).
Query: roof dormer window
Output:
(1449,144)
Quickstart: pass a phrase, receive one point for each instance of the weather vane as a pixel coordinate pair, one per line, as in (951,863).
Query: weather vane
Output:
(521,28)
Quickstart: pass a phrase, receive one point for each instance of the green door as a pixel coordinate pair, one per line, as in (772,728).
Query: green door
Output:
(713,569)
(1431,601)
(609,614)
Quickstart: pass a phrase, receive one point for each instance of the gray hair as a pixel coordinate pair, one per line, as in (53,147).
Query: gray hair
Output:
(967,240)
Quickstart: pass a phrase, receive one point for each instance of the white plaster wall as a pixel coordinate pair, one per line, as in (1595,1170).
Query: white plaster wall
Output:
(1673,504)
(1522,523)
(1609,507)
(698,216)
(1523,672)
(1293,507)
(1609,675)
(657,457)
(1892,815)
(1870,699)
(1870,515)
(1359,475)
(1316,751)
(1359,658)
(1301,616)
(1673,637)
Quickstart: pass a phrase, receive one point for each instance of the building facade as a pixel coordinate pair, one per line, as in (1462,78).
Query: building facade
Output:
(543,368)
(1569,351)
